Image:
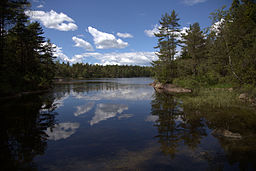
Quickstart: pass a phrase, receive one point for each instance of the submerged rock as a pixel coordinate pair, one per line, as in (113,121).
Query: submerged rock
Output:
(226,134)
(170,88)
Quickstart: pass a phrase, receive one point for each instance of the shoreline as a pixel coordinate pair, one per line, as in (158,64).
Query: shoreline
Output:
(169,88)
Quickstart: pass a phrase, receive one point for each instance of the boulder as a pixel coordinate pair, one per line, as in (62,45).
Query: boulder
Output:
(226,134)
(243,96)
(169,88)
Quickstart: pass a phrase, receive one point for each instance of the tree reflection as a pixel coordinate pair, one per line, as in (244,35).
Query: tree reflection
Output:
(174,126)
(239,120)
(23,124)
(180,125)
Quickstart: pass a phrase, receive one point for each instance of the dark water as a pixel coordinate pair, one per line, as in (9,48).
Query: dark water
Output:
(122,124)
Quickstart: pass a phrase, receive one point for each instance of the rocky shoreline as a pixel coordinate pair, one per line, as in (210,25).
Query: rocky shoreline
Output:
(169,88)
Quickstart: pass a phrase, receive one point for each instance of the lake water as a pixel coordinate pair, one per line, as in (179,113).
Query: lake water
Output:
(122,124)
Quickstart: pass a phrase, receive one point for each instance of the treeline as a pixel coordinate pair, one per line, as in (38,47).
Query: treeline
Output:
(223,53)
(80,70)
(26,59)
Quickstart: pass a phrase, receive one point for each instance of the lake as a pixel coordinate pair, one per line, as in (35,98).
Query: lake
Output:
(123,124)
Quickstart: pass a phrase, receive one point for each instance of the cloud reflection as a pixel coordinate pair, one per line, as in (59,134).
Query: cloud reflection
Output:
(84,109)
(106,111)
(152,118)
(62,131)
(125,93)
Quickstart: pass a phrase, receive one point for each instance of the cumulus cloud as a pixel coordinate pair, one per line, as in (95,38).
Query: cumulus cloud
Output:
(114,58)
(124,35)
(104,40)
(58,53)
(151,32)
(217,26)
(193,2)
(155,30)
(126,58)
(52,19)
(82,43)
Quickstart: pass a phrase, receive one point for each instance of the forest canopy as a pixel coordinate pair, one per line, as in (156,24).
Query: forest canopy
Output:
(223,53)
(26,57)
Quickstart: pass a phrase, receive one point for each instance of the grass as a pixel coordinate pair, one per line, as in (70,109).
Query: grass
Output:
(211,97)
(214,94)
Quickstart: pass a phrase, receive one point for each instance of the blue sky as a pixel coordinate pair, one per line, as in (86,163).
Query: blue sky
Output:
(113,31)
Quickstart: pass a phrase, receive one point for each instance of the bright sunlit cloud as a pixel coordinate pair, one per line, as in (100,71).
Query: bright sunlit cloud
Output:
(155,30)
(124,35)
(82,43)
(152,32)
(104,40)
(53,20)
(114,58)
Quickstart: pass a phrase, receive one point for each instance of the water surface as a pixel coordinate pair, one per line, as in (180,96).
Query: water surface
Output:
(122,124)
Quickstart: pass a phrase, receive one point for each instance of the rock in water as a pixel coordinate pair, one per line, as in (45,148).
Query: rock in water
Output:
(226,134)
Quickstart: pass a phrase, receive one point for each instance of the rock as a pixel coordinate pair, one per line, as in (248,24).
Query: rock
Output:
(226,134)
(243,96)
(169,88)
(159,86)
(230,89)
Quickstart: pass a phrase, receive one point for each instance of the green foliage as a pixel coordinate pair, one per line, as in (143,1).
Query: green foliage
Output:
(26,57)
(249,89)
(165,68)
(81,71)
(194,46)
(223,55)
(186,82)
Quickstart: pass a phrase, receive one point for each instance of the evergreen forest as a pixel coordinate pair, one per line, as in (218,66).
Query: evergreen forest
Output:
(224,53)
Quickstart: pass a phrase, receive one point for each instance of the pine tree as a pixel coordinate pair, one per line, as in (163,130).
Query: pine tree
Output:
(165,68)
(194,46)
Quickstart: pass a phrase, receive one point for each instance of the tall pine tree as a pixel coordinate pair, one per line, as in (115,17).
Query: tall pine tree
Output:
(194,46)
(165,68)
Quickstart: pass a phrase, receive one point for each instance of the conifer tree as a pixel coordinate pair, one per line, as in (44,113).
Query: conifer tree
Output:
(194,45)
(165,68)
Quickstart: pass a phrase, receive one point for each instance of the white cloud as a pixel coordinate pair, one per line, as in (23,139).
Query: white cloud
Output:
(217,26)
(58,53)
(40,6)
(151,33)
(106,111)
(124,35)
(105,40)
(155,30)
(193,2)
(62,130)
(114,58)
(53,20)
(82,43)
